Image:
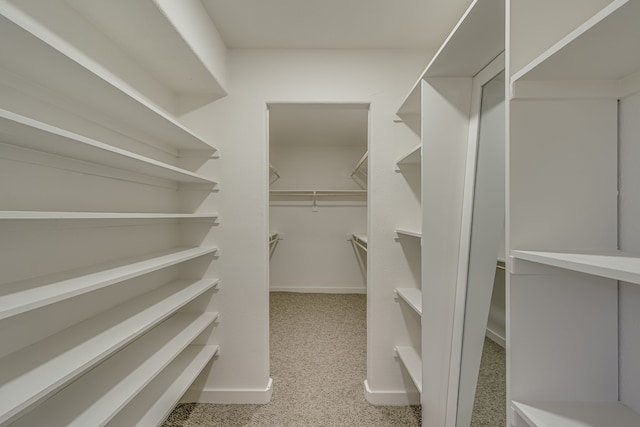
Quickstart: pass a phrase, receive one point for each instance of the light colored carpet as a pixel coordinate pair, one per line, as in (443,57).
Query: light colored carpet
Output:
(490,407)
(318,364)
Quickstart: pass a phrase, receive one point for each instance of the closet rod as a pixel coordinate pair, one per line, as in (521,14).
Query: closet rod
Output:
(318,193)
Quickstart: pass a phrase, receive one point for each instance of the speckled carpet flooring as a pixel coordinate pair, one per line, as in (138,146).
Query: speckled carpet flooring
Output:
(318,365)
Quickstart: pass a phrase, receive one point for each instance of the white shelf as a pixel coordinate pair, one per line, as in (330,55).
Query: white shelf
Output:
(411,296)
(360,240)
(576,414)
(58,66)
(477,38)
(22,296)
(413,364)
(361,166)
(43,215)
(414,157)
(154,404)
(35,372)
(97,396)
(599,49)
(25,132)
(159,44)
(360,237)
(411,233)
(612,264)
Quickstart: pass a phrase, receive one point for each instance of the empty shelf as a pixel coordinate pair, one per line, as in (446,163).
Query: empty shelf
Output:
(600,49)
(411,296)
(412,363)
(22,296)
(29,133)
(413,157)
(96,397)
(35,372)
(477,38)
(576,414)
(360,240)
(410,233)
(361,166)
(612,264)
(40,215)
(50,55)
(157,400)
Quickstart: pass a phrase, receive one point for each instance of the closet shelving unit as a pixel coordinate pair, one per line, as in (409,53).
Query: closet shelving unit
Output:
(565,103)
(437,107)
(129,361)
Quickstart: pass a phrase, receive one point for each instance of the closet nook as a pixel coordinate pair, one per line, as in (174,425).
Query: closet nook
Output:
(317,205)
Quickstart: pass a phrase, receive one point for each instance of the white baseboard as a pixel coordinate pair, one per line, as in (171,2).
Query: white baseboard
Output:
(496,338)
(390,398)
(248,396)
(319,290)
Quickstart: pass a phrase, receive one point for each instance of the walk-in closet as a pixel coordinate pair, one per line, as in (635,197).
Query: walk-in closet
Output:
(318,197)
(307,213)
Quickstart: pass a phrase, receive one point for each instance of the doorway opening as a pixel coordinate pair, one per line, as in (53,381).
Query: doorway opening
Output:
(318,215)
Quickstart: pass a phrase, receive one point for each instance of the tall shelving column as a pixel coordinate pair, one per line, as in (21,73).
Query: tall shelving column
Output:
(441,98)
(105,310)
(408,233)
(569,351)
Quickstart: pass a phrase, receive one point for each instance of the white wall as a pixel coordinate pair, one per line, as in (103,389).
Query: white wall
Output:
(629,232)
(315,255)
(237,125)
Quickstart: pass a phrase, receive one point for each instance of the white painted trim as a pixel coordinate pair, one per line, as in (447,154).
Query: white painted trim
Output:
(230,396)
(459,315)
(318,290)
(390,397)
(496,338)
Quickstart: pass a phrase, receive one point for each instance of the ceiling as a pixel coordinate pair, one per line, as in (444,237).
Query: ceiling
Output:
(334,24)
(318,124)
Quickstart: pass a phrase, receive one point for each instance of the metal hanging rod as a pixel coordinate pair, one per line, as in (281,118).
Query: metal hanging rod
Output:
(317,193)
(314,194)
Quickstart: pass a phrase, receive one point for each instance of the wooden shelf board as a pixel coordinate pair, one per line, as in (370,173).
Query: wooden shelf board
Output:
(413,157)
(35,372)
(477,38)
(600,49)
(612,264)
(51,57)
(97,396)
(413,363)
(26,132)
(411,296)
(22,296)
(45,215)
(154,404)
(576,414)
(410,233)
